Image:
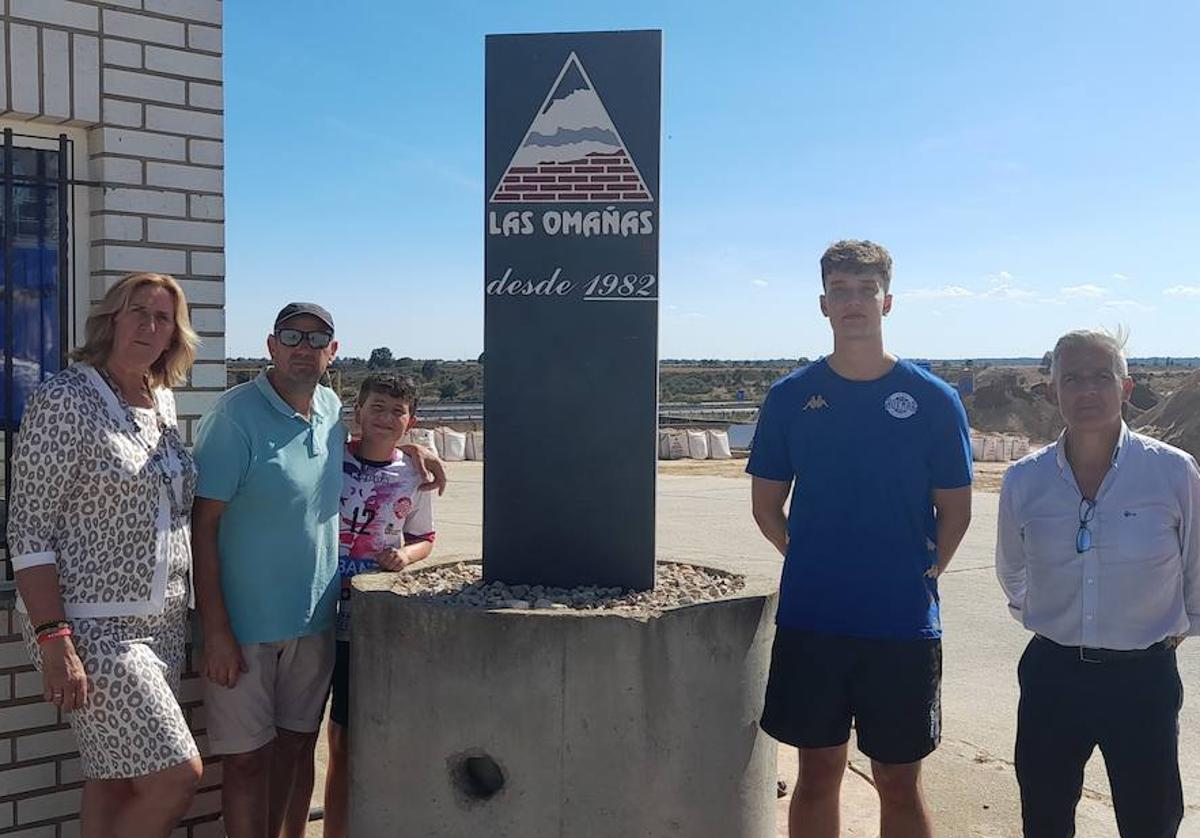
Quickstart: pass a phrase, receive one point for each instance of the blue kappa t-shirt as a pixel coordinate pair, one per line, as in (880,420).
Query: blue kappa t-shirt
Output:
(864,458)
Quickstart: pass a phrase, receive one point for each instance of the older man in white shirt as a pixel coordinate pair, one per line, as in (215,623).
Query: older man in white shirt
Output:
(1099,556)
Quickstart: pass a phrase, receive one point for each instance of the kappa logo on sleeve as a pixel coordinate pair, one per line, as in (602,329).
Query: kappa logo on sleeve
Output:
(572,151)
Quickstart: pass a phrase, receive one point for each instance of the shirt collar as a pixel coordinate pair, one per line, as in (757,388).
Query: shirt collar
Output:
(1122,448)
(264,385)
(1060,448)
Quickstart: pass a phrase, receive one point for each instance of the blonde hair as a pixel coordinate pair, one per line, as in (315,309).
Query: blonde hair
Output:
(171,368)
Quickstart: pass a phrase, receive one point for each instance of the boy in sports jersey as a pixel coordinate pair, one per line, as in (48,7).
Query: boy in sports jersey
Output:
(876,454)
(386,523)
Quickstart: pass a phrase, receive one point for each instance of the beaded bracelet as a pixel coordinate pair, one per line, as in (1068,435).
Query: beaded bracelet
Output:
(51,635)
(52,624)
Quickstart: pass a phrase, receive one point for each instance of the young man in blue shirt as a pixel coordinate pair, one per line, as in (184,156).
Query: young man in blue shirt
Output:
(876,454)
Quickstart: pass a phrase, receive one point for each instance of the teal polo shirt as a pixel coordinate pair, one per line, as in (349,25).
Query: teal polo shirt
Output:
(280,475)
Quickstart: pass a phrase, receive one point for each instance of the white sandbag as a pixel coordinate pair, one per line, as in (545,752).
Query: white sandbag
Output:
(1020,448)
(1009,444)
(474,446)
(718,445)
(672,445)
(451,445)
(742,436)
(976,447)
(993,449)
(1000,450)
(697,445)
(421,436)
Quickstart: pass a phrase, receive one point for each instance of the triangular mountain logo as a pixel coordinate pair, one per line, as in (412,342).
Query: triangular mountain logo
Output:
(572,151)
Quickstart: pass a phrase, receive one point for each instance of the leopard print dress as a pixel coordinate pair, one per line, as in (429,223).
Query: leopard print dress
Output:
(132,724)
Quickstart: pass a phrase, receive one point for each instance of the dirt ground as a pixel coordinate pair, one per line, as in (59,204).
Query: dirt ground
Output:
(1176,419)
(988,476)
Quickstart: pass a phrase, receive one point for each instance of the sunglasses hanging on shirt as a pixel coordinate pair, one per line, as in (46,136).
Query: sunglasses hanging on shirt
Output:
(1083,537)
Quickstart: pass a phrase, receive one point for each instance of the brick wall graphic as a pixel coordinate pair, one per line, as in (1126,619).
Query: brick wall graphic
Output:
(572,151)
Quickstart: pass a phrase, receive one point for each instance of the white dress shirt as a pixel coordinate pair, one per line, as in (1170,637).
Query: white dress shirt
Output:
(1140,581)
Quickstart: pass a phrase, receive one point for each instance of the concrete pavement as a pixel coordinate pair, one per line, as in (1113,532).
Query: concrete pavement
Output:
(969,780)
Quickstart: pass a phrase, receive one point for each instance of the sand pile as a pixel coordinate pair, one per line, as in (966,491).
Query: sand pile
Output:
(1013,402)
(1142,397)
(1176,419)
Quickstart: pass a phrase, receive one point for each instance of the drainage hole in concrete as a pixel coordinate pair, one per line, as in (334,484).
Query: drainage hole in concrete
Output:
(479,777)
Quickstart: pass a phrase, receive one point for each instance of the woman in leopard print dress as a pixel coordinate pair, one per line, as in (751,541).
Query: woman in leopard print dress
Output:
(99,535)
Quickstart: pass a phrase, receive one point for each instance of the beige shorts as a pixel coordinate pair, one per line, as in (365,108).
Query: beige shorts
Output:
(285,686)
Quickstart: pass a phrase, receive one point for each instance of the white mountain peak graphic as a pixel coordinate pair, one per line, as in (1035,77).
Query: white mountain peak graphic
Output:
(572,127)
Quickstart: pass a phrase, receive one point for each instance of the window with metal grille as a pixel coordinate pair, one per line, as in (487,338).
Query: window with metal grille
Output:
(35,281)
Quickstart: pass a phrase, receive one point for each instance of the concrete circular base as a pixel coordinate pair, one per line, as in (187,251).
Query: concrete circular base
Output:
(559,724)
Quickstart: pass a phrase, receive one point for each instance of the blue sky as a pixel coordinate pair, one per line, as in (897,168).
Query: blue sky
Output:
(1032,166)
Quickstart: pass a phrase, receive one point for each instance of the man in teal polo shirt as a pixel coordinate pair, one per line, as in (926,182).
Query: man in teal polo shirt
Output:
(264,541)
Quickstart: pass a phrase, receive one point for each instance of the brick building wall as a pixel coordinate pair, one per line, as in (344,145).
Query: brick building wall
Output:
(40,781)
(140,80)
(137,85)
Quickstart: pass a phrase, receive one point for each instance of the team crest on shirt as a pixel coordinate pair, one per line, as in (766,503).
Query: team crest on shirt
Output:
(900,405)
(816,403)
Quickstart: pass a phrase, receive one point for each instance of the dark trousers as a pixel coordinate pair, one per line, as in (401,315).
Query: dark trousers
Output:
(1129,707)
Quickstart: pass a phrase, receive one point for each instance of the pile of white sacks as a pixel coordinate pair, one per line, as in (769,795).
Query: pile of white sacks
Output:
(673,444)
(997,448)
(451,445)
(680,444)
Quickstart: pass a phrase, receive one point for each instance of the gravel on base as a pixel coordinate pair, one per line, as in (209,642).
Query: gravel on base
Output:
(462,585)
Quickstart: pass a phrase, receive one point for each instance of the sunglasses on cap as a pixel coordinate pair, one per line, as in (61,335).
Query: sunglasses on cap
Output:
(317,339)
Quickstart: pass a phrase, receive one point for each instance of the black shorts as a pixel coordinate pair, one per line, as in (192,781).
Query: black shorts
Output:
(890,689)
(339,707)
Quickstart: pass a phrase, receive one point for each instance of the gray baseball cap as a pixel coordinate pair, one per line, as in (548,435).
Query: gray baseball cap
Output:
(296,309)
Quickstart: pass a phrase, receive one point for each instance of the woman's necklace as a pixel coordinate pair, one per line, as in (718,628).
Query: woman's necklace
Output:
(144,393)
(168,435)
